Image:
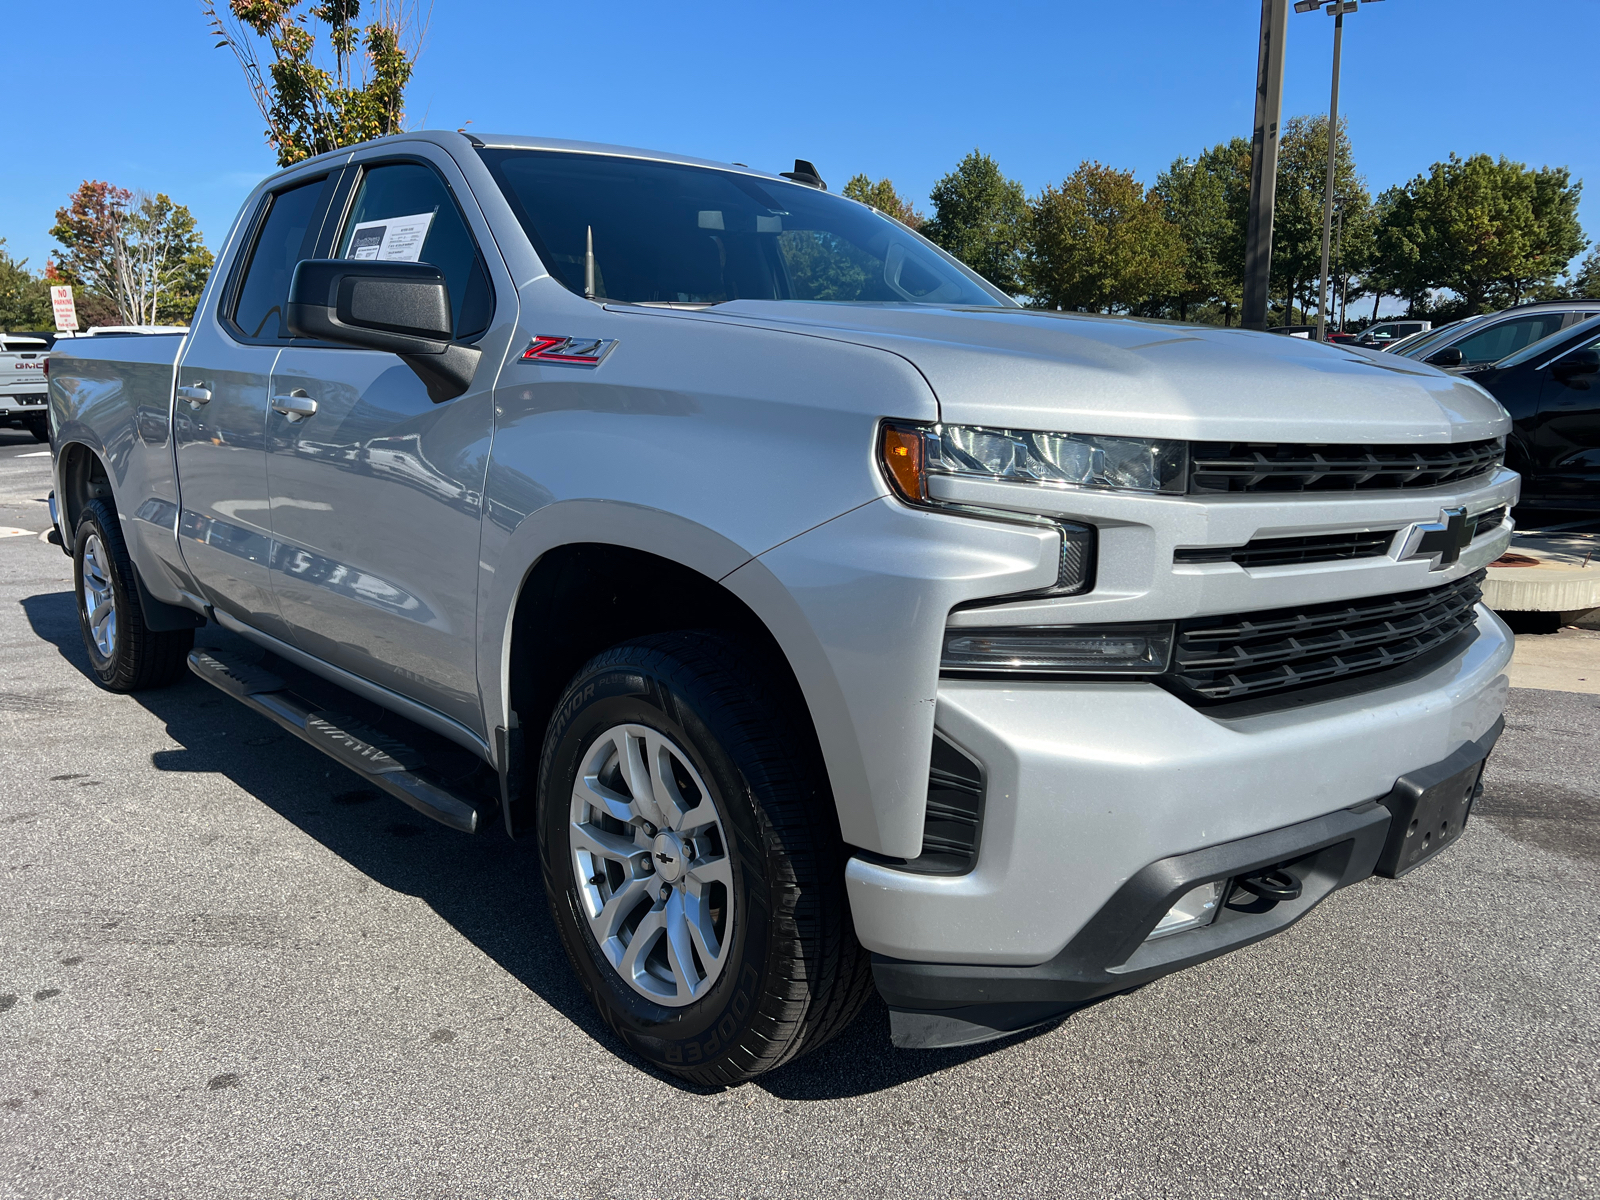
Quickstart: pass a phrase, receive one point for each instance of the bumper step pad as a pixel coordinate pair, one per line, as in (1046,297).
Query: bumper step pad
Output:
(385,761)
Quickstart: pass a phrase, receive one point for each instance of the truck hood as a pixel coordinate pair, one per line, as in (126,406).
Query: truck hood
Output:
(1068,372)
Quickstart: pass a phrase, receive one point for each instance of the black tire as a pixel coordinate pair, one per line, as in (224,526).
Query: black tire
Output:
(40,428)
(140,658)
(796,975)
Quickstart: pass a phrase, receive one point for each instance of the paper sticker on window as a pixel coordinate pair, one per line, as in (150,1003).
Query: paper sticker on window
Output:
(393,239)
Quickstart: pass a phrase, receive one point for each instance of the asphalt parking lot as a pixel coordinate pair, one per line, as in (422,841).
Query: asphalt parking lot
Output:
(226,968)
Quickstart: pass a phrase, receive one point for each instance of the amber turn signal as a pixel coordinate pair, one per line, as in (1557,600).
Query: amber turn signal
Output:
(904,454)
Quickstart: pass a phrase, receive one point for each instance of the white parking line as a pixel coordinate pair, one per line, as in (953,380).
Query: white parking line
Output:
(33,454)
(7,531)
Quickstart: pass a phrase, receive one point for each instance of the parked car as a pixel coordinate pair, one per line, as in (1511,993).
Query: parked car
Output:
(1552,392)
(828,619)
(1484,340)
(23,393)
(1385,334)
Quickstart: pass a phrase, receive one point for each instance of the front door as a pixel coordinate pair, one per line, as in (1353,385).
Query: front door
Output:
(1565,438)
(220,418)
(376,494)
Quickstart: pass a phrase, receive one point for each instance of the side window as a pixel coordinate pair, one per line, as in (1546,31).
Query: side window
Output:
(1494,343)
(279,247)
(403,212)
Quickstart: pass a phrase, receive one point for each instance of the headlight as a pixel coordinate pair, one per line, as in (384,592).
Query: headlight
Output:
(911,453)
(1058,650)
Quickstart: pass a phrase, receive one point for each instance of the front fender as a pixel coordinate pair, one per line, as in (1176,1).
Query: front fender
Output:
(858,606)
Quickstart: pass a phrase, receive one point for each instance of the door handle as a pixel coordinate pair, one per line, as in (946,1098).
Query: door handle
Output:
(195,395)
(297,406)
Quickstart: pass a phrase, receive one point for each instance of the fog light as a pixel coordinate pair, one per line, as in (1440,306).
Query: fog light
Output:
(1193,910)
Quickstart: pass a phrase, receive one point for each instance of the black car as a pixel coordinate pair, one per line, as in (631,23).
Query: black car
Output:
(1551,388)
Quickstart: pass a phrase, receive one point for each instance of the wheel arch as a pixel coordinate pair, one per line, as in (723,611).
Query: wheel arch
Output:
(81,476)
(581,564)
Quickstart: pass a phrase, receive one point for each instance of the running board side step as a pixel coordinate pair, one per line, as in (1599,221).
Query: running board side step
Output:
(385,762)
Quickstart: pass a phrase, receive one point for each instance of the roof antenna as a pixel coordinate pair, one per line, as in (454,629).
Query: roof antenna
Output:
(588,268)
(804,173)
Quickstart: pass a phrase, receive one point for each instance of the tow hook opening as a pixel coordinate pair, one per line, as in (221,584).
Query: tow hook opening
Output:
(1272,884)
(1257,891)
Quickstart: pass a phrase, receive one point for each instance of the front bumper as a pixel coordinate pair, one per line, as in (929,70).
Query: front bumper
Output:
(1089,784)
(948,1004)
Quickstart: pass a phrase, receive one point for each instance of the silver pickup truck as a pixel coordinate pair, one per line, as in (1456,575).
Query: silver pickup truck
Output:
(831,621)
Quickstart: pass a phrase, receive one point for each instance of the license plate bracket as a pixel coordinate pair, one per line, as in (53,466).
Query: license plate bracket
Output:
(1429,808)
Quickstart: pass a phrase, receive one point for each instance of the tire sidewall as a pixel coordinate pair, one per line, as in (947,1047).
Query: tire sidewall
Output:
(697,1034)
(105,669)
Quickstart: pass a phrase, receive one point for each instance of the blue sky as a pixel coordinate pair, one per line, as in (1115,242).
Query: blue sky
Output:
(136,94)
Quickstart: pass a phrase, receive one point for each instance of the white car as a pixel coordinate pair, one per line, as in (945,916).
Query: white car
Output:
(23,392)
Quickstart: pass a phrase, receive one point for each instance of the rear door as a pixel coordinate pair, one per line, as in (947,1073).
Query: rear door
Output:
(220,418)
(1491,343)
(376,496)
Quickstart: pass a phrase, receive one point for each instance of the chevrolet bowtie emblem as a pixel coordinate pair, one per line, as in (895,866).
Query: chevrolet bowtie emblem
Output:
(1442,540)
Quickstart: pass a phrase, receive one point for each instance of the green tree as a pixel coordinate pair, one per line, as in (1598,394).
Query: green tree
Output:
(311,107)
(1297,217)
(1489,231)
(1194,198)
(1586,280)
(141,253)
(1101,244)
(884,198)
(24,296)
(981,217)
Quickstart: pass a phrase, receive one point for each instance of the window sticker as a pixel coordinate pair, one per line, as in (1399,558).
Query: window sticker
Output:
(393,239)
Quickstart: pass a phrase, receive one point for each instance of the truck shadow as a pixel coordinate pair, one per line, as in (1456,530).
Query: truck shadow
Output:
(487,887)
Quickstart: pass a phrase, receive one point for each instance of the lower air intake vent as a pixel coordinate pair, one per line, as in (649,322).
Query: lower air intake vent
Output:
(955,813)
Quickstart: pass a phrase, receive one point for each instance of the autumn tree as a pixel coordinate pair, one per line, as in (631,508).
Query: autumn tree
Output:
(139,253)
(1489,231)
(981,217)
(1101,244)
(884,198)
(317,96)
(24,296)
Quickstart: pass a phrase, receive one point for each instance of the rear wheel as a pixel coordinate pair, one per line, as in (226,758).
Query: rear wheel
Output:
(693,861)
(124,655)
(40,428)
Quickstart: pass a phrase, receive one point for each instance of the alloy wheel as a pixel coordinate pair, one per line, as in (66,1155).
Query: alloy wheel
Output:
(651,866)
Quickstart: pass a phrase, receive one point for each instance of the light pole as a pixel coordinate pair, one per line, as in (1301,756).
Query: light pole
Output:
(1337,10)
(1264,165)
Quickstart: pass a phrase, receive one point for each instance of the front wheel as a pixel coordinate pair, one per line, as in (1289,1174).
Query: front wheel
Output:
(124,655)
(693,862)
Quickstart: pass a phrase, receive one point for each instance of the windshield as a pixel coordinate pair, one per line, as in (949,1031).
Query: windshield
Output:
(1578,334)
(665,233)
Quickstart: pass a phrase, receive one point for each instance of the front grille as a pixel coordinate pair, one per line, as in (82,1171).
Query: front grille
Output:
(1253,654)
(1278,551)
(1285,467)
(1487,522)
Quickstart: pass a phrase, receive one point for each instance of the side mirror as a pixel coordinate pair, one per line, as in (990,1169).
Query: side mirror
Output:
(1579,362)
(400,307)
(1450,356)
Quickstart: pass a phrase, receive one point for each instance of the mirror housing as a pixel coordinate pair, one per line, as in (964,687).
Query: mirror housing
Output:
(1450,356)
(400,307)
(1580,362)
